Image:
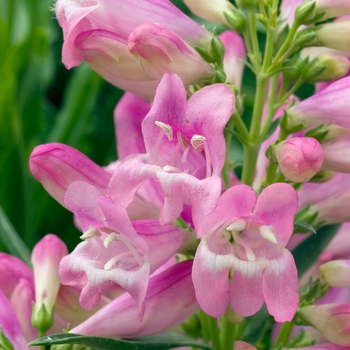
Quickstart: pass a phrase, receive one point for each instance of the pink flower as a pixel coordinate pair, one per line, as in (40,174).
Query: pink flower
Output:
(288,8)
(244,240)
(116,251)
(333,8)
(329,106)
(299,158)
(98,32)
(170,299)
(46,257)
(185,148)
(337,155)
(235,53)
(331,320)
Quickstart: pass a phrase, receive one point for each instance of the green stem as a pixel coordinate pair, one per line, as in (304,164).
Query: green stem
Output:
(254,39)
(270,174)
(271,107)
(239,125)
(286,45)
(228,333)
(204,326)
(214,333)
(284,334)
(251,152)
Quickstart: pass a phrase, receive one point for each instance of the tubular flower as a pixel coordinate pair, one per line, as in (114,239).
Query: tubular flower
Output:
(244,240)
(98,32)
(185,148)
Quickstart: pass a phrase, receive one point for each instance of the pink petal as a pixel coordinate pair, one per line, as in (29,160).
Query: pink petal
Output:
(210,279)
(56,166)
(245,292)
(128,116)
(280,287)
(208,112)
(276,206)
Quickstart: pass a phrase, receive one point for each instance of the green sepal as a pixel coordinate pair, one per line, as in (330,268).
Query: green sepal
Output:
(5,343)
(318,133)
(312,291)
(322,176)
(305,12)
(306,37)
(237,20)
(214,52)
(288,127)
(306,215)
(42,318)
(303,227)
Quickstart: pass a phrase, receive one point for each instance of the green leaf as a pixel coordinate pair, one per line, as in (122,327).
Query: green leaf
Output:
(303,227)
(160,341)
(307,252)
(11,239)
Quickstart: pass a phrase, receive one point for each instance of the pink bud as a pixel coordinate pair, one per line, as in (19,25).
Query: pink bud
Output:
(170,299)
(336,273)
(46,257)
(56,166)
(160,51)
(299,158)
(331,320)
(235,53)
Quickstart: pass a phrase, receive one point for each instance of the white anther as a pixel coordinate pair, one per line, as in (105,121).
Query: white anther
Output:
(182,141)
(237,226)
(197,141)
(109,239)
(167,128)
(90,232)
(171,169)
(267,233)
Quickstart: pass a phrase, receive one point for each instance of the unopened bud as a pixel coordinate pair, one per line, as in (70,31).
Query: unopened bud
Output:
(335,35)
(336,273)
(299,158)
(236,20)
(306,37)
(305,12)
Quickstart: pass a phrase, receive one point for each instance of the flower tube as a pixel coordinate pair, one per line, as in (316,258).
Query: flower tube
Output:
(333,8)
(170,299)
(334,35)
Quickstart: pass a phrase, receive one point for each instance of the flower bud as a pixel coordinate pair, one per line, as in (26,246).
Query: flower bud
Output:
(305,12)
(332,8)
(335,67)
(236,20)
(331,320)
(46,257)
(209,10)
(336,273)
(299,158)
(335,35)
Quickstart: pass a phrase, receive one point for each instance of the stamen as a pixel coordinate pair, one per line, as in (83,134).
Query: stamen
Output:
(167,128)
(267,233)
(199,142)
(237,226)
(123,256)
(184,156)
(174,154)
(183,142)
(249,252)
(91,232)
(109,239)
